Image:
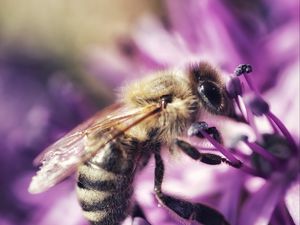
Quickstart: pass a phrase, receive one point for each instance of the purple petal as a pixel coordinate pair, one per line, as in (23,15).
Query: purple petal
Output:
(258,209)
(230,199)
(292,200)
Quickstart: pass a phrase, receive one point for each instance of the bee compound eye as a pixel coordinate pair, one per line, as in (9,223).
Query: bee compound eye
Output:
(210,94)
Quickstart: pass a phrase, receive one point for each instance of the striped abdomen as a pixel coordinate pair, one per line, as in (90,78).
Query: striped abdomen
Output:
(104,186)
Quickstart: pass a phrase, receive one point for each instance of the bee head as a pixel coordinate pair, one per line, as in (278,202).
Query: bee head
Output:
(210,89)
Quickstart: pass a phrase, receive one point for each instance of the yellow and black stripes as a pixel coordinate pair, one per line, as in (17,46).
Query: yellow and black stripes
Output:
(104,185)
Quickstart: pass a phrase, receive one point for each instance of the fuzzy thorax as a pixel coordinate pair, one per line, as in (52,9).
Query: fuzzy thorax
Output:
(175,117)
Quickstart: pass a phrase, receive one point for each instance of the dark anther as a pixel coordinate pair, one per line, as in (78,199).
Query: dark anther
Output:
(243,69)
(259,106)
(196,128)
(234,87)
(165,99)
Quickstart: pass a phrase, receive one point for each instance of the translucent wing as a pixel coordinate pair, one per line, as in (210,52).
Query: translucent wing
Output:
(61,159)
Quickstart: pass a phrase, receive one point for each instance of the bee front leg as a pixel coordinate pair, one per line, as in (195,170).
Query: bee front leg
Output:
(207,158)
(202,130)
(197,128)
(189,211)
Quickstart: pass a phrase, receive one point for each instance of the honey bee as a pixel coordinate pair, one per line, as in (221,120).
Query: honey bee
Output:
(111,147)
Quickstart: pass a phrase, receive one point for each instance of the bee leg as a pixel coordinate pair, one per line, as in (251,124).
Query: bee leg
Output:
(201,130)
(138,216)
(189,211)
(197,129)
(207,158)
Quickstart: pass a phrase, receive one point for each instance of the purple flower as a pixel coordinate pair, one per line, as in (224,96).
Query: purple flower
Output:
(228,33)
(39,102)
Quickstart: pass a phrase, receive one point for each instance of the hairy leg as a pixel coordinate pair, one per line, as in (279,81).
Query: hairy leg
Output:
(190,211)
(207,158)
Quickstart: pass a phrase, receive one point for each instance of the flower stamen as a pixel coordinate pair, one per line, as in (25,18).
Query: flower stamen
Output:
(284,131)
(235,162)
(261,151)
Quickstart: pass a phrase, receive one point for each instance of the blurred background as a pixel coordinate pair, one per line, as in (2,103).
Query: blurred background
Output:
(63,32)
(46,85)
(61,61)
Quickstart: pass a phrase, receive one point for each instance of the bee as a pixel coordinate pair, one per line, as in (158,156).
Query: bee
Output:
(111,147)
